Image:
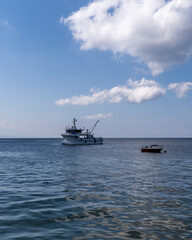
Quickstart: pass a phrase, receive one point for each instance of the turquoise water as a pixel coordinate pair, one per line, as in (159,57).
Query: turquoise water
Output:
(110,191)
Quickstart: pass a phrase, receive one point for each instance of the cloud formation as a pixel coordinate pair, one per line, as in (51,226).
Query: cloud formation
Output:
(98,116)
(5,125)
(133,92)
(6,24)
(156,32)
(180,89)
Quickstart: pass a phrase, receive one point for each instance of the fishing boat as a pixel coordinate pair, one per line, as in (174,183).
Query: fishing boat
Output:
(152,148)
(78,136)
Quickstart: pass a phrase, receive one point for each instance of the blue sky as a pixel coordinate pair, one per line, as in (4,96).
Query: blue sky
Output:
(96,60)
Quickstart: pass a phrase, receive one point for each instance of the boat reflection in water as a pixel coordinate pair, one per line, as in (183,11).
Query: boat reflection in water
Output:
(152,148)
(78,136)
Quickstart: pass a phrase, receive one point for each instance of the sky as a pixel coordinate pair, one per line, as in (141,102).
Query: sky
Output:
(126,63)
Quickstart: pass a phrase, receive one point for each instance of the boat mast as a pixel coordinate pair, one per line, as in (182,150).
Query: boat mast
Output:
(74,121)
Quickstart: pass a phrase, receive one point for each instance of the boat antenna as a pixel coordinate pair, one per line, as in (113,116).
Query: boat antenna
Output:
(74,121)
(92,128)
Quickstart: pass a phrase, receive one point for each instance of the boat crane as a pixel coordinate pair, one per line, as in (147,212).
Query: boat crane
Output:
(92,128)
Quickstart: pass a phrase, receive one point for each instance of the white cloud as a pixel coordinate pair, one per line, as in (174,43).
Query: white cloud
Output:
(180,88)
(156,32)
(6,24)
(98,116)
(5,125)
(133,91)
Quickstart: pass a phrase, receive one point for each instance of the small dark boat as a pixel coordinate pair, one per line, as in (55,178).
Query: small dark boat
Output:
(152,148)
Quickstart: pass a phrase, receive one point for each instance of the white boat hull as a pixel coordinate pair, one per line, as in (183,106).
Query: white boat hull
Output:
(83,141)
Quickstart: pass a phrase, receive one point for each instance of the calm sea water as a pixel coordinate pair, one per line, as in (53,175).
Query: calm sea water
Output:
(113,191)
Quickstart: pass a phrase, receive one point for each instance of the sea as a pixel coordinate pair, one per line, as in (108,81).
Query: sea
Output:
(112,191)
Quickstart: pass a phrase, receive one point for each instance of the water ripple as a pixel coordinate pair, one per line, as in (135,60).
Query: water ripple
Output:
(95,192)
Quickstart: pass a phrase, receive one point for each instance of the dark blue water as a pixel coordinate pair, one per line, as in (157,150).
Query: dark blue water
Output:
(112,191)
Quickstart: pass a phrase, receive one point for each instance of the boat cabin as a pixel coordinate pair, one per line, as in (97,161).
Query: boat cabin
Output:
(73,131)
